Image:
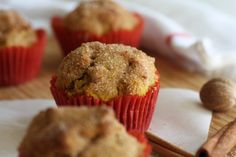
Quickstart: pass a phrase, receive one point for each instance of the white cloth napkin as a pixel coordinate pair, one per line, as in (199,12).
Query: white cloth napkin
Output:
(192,34)
(181,120)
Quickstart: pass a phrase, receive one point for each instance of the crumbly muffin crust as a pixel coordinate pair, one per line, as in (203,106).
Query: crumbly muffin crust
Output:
(14,30)
(100,17)
(78,132)
(105,71)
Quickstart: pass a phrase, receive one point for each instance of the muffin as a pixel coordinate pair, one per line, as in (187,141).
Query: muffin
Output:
(119,76)
(21,49)
(97,20)
(80,132)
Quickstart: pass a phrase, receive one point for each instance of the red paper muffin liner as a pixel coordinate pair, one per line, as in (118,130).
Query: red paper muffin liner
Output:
(70,40)
(142,139)
(20,64)
(135,112)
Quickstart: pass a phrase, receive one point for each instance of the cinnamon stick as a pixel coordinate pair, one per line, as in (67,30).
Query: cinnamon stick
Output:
(221,143)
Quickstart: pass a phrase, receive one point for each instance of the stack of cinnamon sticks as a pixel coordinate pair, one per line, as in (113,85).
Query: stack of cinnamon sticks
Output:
(221,143)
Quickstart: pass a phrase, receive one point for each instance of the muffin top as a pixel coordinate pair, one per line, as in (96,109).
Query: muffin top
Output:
(14,30)
(105,71)
(78,132)
(100,17)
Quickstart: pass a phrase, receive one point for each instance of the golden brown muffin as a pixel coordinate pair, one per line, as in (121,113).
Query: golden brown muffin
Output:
(14,30)
(105,71)
(100,17)
(78,132)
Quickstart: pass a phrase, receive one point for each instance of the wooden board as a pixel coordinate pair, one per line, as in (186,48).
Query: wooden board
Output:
(171,76)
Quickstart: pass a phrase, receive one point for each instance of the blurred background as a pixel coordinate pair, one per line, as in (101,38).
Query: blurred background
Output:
(227,6)
(211,25)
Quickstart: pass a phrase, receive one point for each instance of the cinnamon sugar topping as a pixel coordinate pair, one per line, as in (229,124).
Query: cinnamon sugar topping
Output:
(78,132)
(100,17)
(106,71)
(14,30)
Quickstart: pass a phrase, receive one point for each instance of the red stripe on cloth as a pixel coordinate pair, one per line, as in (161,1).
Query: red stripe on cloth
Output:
(170,37)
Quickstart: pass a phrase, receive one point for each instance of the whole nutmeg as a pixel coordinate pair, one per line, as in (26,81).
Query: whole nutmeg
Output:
(218,94)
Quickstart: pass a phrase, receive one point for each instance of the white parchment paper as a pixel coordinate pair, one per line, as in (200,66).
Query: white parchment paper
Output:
(178,119)
(15,116)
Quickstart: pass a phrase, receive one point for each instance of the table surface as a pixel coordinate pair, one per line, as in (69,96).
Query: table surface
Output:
(171,76)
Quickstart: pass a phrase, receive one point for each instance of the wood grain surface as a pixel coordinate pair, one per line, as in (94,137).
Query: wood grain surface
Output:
(171,76)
